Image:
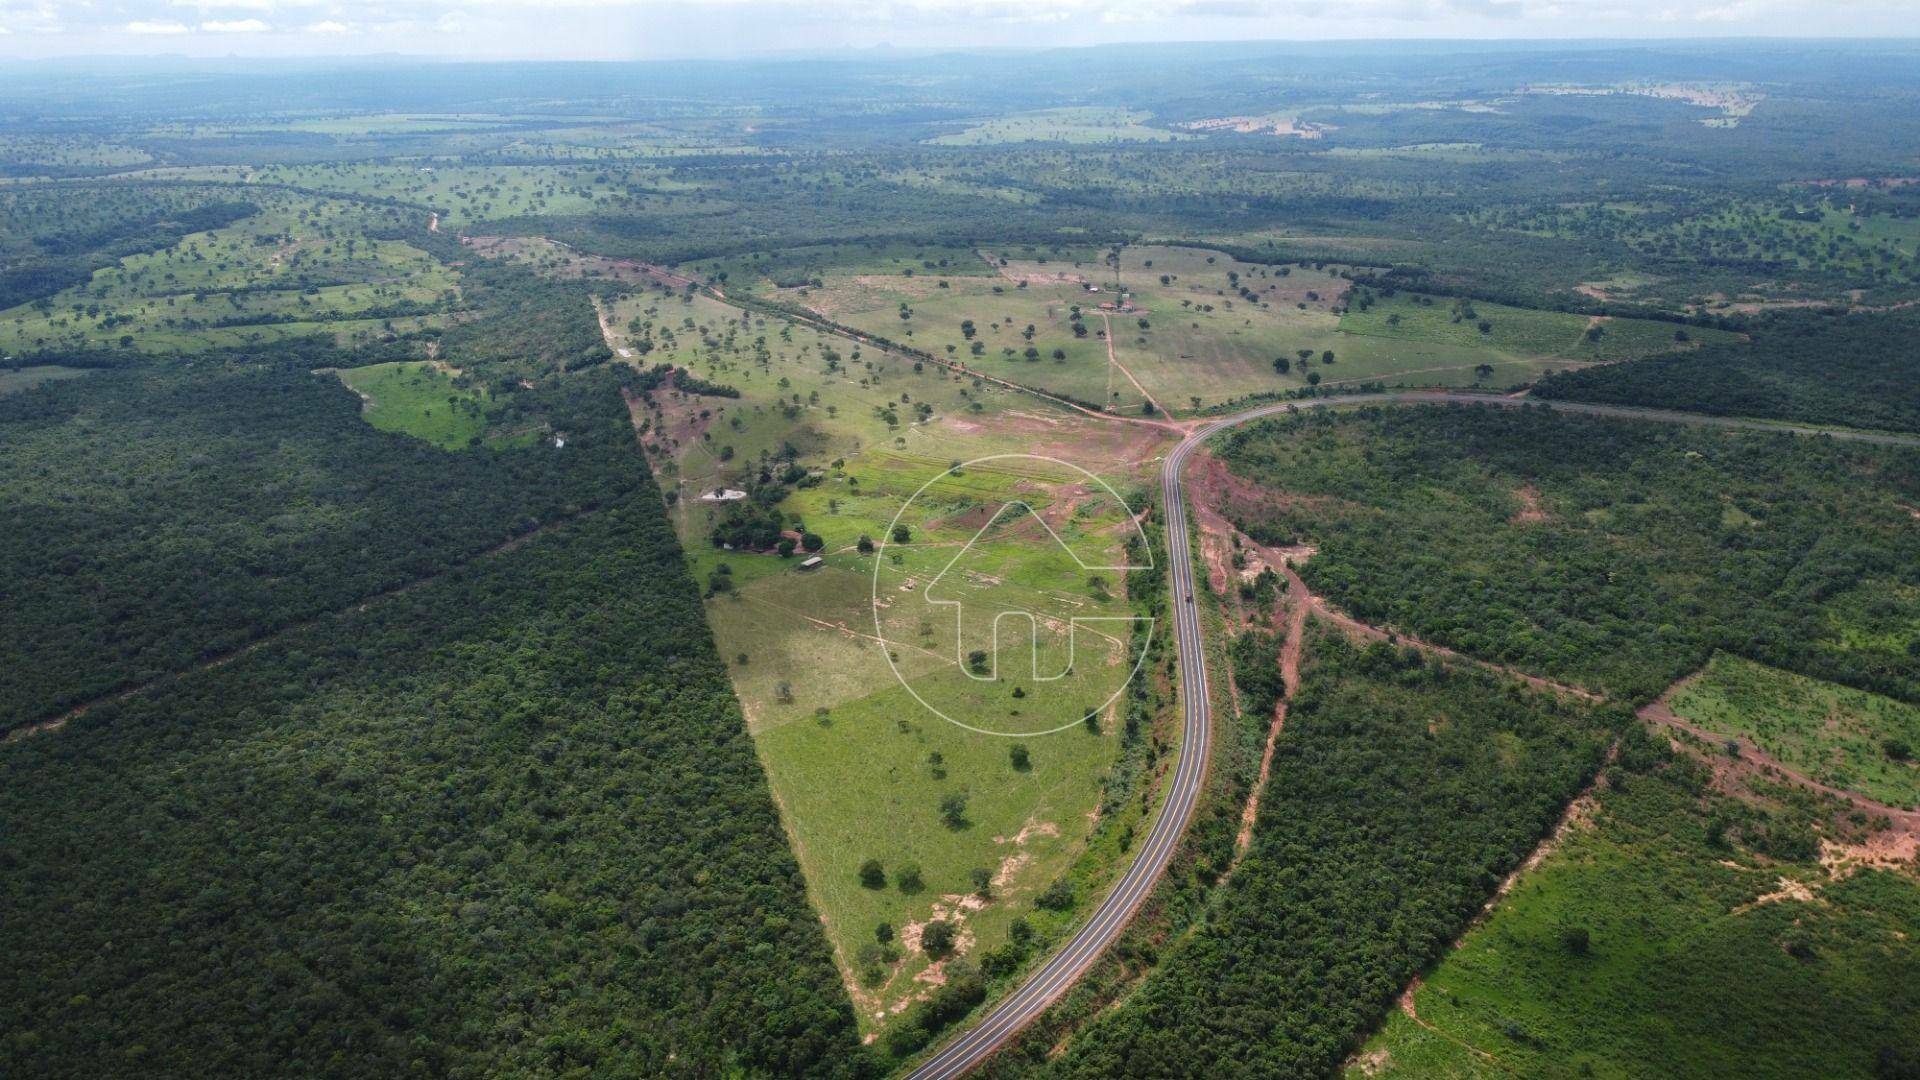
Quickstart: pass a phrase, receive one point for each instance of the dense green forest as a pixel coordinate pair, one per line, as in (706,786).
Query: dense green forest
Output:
(1401,791)
(167,516)
(1617,555)
(506,823)
(1845,370)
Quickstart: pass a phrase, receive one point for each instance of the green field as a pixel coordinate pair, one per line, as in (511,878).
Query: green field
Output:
(1513,334)
(418,399)
(297,266)
(765,271)
(1190,323)
(851,755)
(14,380)
(1837,735)
(1073,125)
(463,193)
(1645,947)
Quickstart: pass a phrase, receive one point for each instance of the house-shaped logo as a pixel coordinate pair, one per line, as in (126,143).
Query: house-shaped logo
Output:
(1004,596)
(1017,634)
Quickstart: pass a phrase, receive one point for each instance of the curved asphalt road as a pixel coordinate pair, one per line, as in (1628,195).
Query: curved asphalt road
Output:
(1065,967)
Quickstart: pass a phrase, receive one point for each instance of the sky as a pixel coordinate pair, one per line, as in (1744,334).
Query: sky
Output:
(661,29)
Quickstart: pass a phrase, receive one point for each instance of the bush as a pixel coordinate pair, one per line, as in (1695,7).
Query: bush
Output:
(908,880)
(936,939)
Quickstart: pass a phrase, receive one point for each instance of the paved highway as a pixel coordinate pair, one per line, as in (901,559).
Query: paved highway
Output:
(1065,967)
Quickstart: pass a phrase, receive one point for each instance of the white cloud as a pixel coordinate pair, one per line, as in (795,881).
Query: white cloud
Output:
(325,26)
(146,26)
(4,31)
(230,5)
(235,26)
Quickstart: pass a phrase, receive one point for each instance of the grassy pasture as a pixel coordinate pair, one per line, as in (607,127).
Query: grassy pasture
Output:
(299,266)
(825,397)
(1069,125)
(1000,311)
(763,271)
(862,785)
(15,380)
(1191,330)
(848,751)
(1833,733)
(852,757)
(1519,333)
(416,398)
(464,193)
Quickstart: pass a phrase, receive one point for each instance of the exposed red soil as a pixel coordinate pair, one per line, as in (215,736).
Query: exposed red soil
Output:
(1236,498)
(1291,647)
(1530,512)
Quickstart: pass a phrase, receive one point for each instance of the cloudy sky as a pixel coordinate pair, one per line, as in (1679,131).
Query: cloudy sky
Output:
(628,29)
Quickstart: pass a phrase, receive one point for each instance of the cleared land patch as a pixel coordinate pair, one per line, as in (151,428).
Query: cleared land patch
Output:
(1834,734)
(825,441)
(1069,125)
(416,398)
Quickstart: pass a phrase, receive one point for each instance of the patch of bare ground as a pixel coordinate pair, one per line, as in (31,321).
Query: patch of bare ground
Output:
(1789,890)
(1371,1062)
(1019,859)
(1297,607)
(1889,849)
(1073,437)
(1285,127)
(1214,485)
(1530,512)
(669,423)
(919,287)
(1216,549)
(1032,274)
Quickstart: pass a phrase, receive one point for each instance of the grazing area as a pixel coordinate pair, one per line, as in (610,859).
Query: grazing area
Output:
(284,266)
(827,440)
(416,398)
